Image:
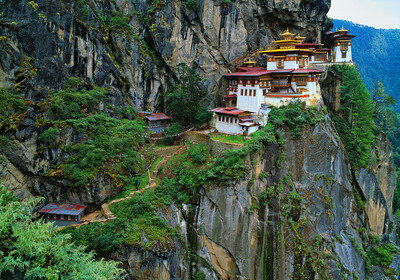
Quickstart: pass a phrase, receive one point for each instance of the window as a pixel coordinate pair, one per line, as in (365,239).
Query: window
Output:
(231,120)
(245,92)
(264,92)
(69,218)
(219,118)
(55,216)
(279,63)
(254,93)
(344,53)
(62,217)
(241,92)
(301,81)
(223,119)
(302,62)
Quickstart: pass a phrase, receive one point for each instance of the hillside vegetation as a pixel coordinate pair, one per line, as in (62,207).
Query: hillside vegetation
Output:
(376,53)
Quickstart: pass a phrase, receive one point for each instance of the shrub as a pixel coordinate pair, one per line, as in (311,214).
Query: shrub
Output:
(198,153)
(50,136)
(295,116)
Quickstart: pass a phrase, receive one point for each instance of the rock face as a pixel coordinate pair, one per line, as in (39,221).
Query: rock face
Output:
(132,46)
(237,238)
(136,48)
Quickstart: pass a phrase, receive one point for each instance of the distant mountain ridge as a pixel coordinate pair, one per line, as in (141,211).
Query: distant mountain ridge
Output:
(377,55)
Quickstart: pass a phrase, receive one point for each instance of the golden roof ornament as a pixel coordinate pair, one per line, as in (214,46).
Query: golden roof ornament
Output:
(249,63)
(287,33)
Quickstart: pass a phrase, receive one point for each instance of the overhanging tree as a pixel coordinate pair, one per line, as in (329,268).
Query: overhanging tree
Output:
(32,249)
(185,98)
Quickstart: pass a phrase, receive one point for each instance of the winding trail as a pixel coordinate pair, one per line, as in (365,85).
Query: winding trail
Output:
(105,215)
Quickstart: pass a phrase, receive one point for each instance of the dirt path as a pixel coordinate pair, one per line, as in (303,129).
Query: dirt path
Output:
(104,215)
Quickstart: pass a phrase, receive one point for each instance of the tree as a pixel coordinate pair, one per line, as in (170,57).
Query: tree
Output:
(355,123)
(384,114)
(33,249)
(171,131)
(185,98)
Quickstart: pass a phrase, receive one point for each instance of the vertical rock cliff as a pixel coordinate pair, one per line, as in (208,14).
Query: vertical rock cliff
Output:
(134,45)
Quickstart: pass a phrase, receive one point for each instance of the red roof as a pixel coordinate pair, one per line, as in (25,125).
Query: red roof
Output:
(314,71)
(229,111)
(157,117)
(308,45)
(65,209)
(278,71)
(249,69)
(230,96)
(248,74)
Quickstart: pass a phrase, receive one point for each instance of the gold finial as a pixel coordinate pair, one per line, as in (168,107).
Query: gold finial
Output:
(250,63)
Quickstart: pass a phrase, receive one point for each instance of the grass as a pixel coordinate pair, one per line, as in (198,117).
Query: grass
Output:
(143,181)
(160,144)
(232,139)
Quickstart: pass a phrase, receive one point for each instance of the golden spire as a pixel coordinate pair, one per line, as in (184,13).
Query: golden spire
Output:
(287,33)
(250,63)
(343,29)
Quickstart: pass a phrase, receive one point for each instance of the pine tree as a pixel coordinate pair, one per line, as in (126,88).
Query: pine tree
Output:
(355,123)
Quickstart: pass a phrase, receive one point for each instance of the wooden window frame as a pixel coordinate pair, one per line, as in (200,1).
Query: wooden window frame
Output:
(280,63)
(301,81)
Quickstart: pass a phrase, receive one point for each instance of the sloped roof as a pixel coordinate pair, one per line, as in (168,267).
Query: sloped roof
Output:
(229,111)
(157,117)
(65,209)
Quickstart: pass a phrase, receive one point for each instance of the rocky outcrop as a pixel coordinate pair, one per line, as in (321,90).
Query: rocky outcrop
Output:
(132,46)
(137,48)
(313,228)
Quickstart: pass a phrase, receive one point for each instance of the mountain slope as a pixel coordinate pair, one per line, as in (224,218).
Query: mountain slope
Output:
(376,53)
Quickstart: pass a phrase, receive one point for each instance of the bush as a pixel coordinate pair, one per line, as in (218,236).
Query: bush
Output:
(295,116)
(171,131)
(50,136)
(12,107)
(198,153)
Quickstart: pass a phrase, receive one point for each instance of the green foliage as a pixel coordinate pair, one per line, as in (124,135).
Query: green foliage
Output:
(70,103)
(295,116)
(12,108)
(185,98)
(50,136)
(191,4)
(171,131)
(199,153)
(107,145)
(199,276)
(382,255)
(376,53)
(355,123)
(32,249)
(137,224)
(120,23)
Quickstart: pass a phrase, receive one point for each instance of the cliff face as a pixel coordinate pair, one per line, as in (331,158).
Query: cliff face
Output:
(269,243)
(297,215)
(312,216)
(134,45)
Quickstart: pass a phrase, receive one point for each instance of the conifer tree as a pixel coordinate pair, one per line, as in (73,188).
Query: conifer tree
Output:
(355,121)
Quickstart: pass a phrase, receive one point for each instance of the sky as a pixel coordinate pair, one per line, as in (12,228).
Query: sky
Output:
(375,13)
